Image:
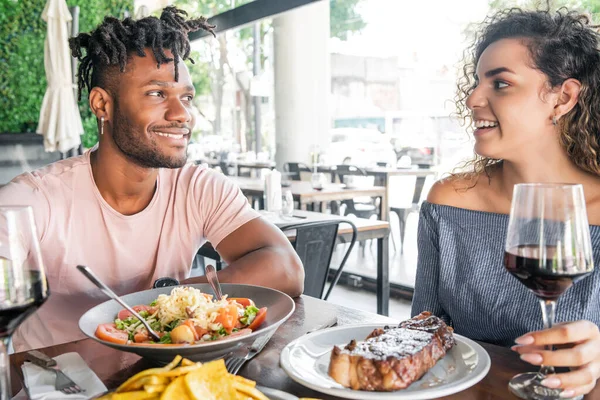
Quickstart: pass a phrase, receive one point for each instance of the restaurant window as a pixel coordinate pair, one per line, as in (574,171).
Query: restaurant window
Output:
(234,104)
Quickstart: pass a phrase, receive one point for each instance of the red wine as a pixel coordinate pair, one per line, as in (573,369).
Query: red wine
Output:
(12,315)
(542,279)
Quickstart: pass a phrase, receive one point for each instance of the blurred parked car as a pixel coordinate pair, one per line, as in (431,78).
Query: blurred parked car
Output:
(427,138)
(211,147)
(194,151)
(422,156)
(359,146)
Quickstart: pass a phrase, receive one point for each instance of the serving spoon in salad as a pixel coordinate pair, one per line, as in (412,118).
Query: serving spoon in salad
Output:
(211,275)
(107,291)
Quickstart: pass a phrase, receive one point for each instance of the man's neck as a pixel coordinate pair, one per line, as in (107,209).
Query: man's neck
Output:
(126,187)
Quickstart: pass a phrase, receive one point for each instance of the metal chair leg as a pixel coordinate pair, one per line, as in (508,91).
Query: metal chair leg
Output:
(402,232)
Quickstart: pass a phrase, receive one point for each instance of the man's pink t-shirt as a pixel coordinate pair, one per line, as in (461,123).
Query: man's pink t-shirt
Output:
(76,226)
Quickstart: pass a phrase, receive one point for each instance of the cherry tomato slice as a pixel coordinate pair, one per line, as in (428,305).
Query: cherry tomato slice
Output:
(243,301)
(110,333)
(124,314)
(228,317)
(259,319)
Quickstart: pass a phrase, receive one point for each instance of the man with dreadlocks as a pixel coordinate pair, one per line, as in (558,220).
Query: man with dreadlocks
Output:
(132,209)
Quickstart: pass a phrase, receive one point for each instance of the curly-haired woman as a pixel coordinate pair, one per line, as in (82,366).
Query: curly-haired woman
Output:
(531,90)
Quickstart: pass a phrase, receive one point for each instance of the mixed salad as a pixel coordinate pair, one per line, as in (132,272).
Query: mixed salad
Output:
(186,316)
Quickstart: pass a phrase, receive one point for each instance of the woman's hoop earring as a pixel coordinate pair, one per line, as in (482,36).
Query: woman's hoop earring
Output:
(102,125)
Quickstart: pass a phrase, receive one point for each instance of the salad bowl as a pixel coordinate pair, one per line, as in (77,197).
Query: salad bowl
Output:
(279,308)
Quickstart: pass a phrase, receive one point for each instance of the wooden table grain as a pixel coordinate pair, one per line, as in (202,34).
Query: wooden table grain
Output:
(113,367)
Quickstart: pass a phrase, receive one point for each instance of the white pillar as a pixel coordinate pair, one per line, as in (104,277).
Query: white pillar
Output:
(302,82)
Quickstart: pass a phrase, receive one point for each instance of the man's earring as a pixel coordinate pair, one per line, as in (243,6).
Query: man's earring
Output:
(102,125)
(554,120)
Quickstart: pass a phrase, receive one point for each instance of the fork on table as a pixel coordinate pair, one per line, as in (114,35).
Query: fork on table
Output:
(63,383)
(233,364)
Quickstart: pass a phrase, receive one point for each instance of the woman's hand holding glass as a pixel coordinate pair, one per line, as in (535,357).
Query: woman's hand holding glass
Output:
(578,347)
(548,249)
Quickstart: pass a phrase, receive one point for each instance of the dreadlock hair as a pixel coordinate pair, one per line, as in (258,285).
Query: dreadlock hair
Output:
(562,44)
(113,41)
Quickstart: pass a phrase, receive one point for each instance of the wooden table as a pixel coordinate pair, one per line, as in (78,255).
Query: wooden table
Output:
(367,229)
(304,193)
(384,176)
(114,367)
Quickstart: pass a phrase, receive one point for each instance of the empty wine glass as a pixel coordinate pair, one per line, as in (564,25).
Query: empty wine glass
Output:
(548,248)
(287,204)
(23,284)
(318,180)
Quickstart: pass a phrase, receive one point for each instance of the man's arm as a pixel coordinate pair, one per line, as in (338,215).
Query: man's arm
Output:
(258,253)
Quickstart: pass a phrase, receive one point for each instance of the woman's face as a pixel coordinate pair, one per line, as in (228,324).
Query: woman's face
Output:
(511,106)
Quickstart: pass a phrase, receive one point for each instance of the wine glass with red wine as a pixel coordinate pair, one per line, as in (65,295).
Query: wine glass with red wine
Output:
(23,284)
(548,249)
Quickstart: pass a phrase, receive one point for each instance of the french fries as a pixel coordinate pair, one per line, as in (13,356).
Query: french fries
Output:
(183,379)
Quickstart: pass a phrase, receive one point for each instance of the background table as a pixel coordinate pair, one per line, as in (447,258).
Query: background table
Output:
(304,193)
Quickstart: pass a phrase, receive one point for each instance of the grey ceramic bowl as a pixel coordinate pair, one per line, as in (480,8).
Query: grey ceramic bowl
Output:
(280,307)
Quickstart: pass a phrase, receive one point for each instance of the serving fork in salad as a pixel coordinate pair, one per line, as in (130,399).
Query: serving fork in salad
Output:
(107,291)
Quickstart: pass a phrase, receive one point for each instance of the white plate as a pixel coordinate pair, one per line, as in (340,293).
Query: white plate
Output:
(274,394)
(306,360)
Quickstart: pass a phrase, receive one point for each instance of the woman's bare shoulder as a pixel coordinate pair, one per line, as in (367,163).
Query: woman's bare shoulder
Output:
(451,190)
(462,191)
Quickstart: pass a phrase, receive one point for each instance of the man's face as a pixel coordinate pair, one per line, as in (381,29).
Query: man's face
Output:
(153,115)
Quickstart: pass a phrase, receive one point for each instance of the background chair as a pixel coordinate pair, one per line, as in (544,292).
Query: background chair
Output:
(363,207)
(209,252)
(404,211)
(224,167)
(294,169)
(315,242)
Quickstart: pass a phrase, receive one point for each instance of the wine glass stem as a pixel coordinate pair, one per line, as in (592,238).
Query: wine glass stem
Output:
(5,391)
(548,309)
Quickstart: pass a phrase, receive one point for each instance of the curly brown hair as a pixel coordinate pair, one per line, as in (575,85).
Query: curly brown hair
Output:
(562,45)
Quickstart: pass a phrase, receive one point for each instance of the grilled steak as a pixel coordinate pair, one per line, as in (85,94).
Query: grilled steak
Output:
(391,358)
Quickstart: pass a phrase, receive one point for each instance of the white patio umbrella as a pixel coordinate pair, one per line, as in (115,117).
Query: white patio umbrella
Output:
(60,122)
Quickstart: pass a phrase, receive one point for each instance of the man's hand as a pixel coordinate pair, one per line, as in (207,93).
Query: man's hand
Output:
(579,344)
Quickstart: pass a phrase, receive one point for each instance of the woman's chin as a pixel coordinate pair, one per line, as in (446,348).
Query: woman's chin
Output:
(485,152)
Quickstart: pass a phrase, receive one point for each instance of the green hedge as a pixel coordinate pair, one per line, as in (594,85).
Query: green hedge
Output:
(22,76)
